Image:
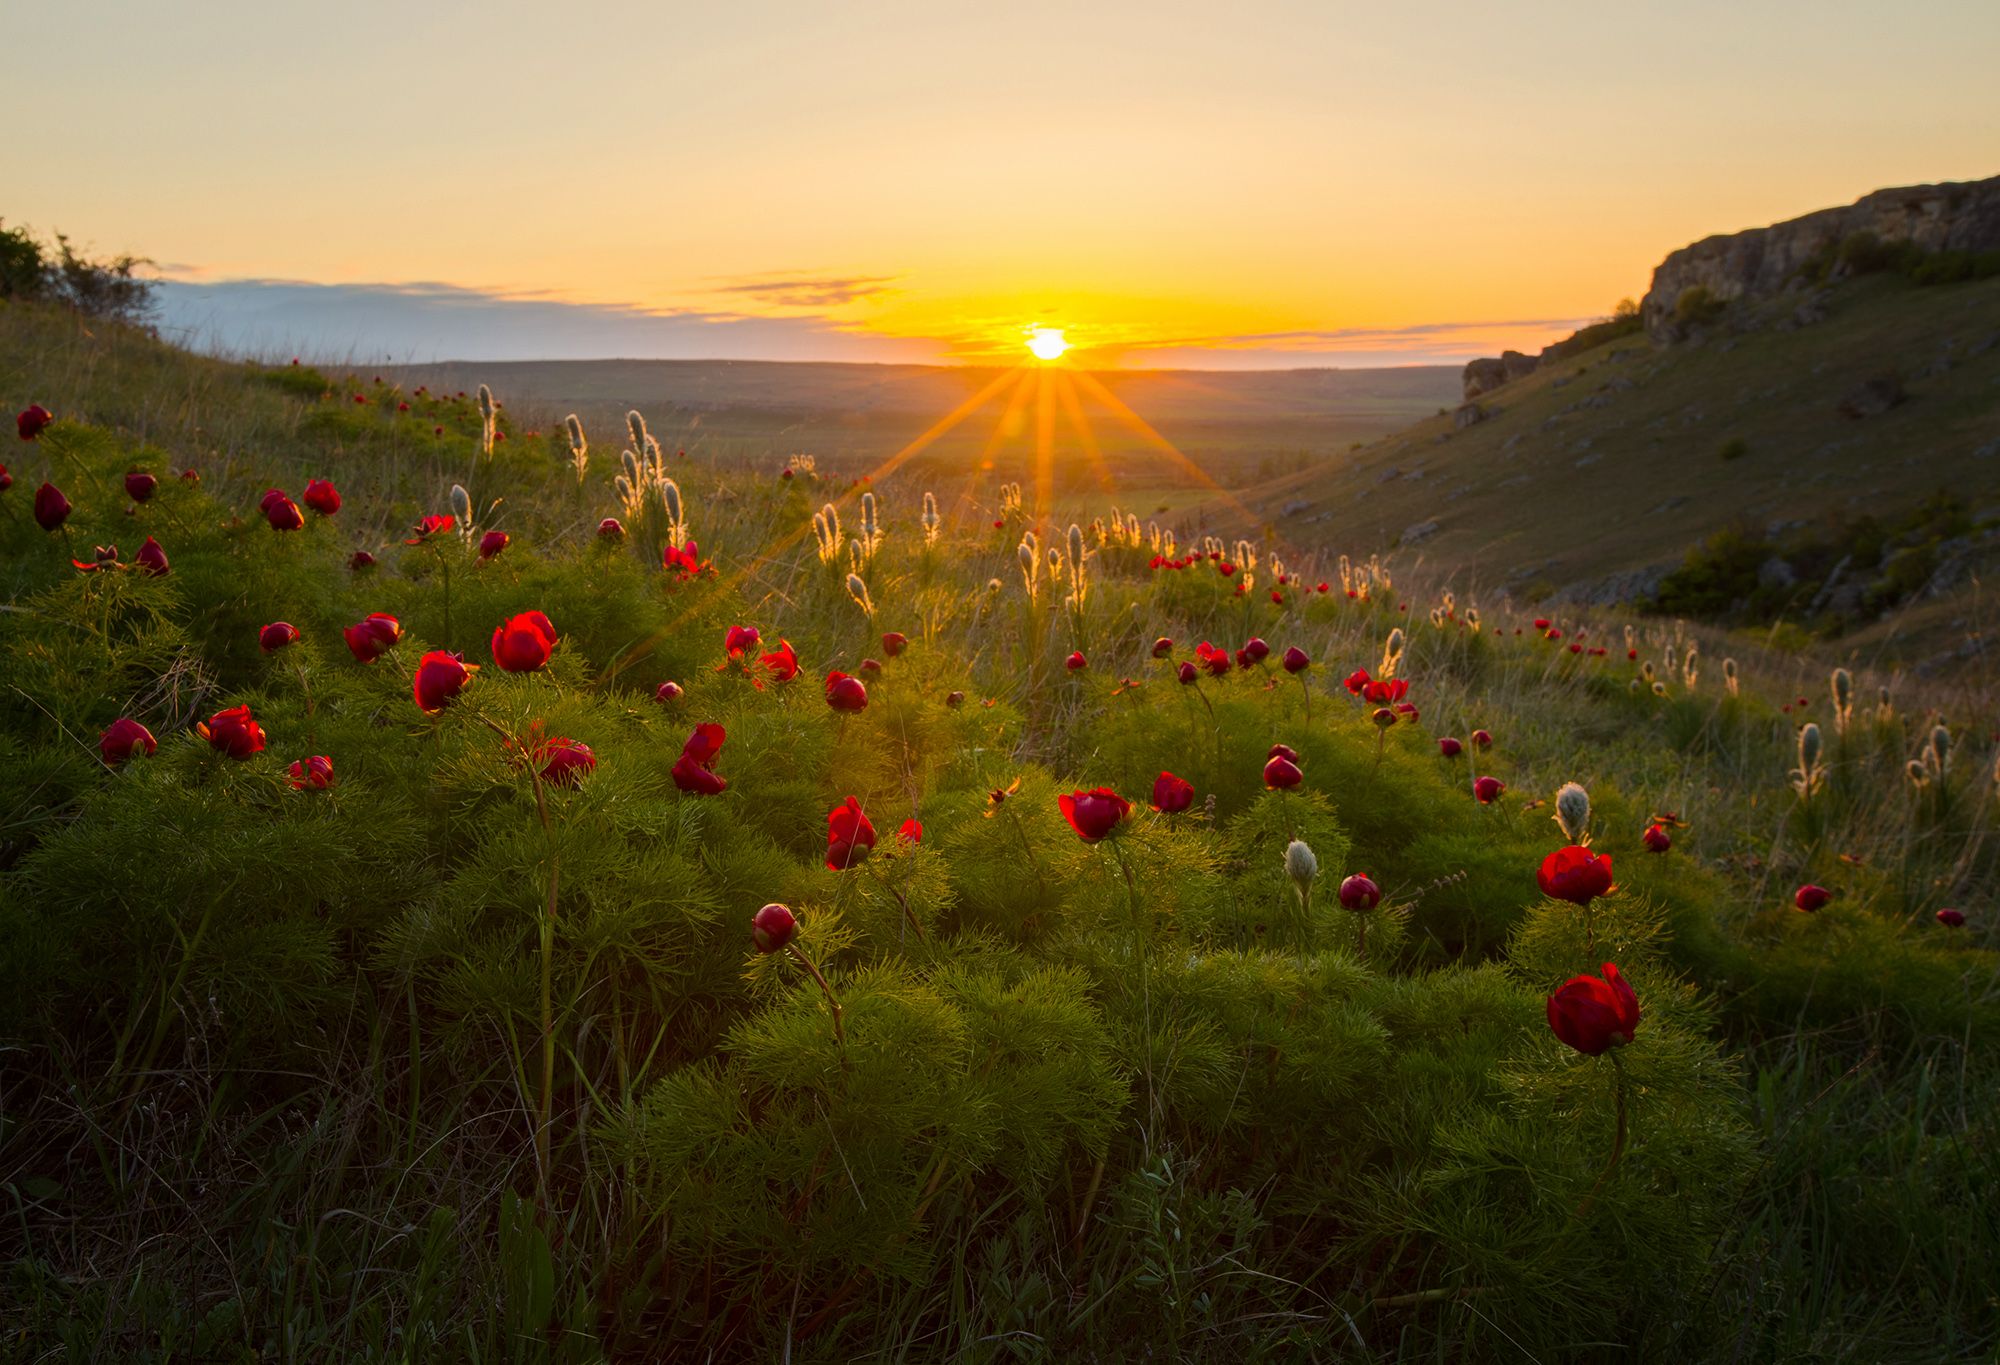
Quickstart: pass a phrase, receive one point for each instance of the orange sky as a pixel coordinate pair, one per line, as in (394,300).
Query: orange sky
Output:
(1256,181)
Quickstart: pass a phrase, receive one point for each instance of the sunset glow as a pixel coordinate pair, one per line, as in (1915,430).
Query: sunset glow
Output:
(1047,343)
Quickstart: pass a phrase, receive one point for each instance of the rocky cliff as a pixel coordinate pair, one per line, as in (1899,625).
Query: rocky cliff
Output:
(1763,262)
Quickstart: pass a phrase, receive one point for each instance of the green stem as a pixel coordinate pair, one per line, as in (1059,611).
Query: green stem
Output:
(1617,1141)
(833,1001)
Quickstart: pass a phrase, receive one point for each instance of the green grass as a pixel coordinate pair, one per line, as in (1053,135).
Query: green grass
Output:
(316,1075)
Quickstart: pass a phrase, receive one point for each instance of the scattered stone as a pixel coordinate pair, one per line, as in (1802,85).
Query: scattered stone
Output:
(1422,530)
(1873,398)
(1467,415)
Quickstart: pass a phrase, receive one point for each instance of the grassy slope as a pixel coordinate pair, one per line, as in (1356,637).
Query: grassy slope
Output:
(1549,492)
(1873,1120)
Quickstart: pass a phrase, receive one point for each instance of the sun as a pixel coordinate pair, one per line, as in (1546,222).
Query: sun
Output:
(1048,343)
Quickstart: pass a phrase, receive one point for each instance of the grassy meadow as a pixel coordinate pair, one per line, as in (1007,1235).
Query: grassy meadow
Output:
(461,1046)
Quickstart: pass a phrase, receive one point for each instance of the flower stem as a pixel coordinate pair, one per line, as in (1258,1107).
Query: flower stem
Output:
(833,1001)
(1617,1141)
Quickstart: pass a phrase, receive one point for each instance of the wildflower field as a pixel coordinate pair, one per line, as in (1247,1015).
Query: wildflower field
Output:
(473,888)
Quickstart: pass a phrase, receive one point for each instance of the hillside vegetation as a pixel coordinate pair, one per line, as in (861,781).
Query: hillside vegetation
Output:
(1592,477)
(819,931)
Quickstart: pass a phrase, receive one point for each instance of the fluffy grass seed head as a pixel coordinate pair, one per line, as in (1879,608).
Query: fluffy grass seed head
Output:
(1573,812)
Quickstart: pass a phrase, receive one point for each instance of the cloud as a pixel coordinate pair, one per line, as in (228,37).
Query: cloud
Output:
(1429,343)
(426,321)
(807,291)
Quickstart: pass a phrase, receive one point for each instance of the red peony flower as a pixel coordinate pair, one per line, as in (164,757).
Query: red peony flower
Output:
(1296,660)
(1656,839)
(694,771)
(1575,874)
(844,693)
(322,497)
(1187,673)
(1541,623)
(51,507)
(1162,647)
(32,421)
(894,642)
(686,561)
(151,558)
(1385,691)
(1951,919)
(1595,1013)
(283,514)
(276,636)
(441,675)
(1488,789)
(1284,751)
(360,560)
(140,486)
(6,479)
(1356,682)
(1281,773)
(1359,892)
(849,836)
(1450,747)
(669,691)
(234,732)
(611,529)
(1216,661)
(911,831)
(872,667)
(492,543)
(564,761)
(523,643)
(1810,898)
(740,640)
(1255,650)
(954,698)
(772,928)
(122,738)
(1481,739)
(368,640)
(1076,663)
(315,773)
(436,524)
(1095,813)
(1172,794)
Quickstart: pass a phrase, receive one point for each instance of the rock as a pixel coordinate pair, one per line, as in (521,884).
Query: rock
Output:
(1467,415)
(1873,398)
(1775,573)
(1587,461)
(1762,262)
(1294,507)
(1422,530)
(1483,376)
(1987,451)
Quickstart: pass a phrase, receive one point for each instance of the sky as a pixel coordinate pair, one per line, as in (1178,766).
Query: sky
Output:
(1214,185)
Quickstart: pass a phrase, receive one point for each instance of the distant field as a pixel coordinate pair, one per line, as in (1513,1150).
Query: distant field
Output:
(1240,428)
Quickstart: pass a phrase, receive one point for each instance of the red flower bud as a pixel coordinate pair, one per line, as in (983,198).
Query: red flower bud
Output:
(284,514)
(894,642)
(140,486)
(1162,647)
(1487,790)
(844,693)
(1450,747)
(1095,813)
(360,560)
(276,636)
(122,737)
(670,691)
(872,667)
(1951,919)
(610,529)
(1172,794)
(32,421)
(740,640)
(564,761)
(1186,673)
(51,507)
(315,773)
(911,832)
(441,676)
(849,836)
(370,639)
(1076,662)
(1656,839)
(954,698)
(1575,874)
(234,732)
(492,543)
(322,497)
(1296,660)
(1281,772)
(1541,623)
(151,558)
(1359,892)
(1810,898)
(523,643)
(1595,1013)
(1256,650)
(1383,717)
(772,928)
(1481,739)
